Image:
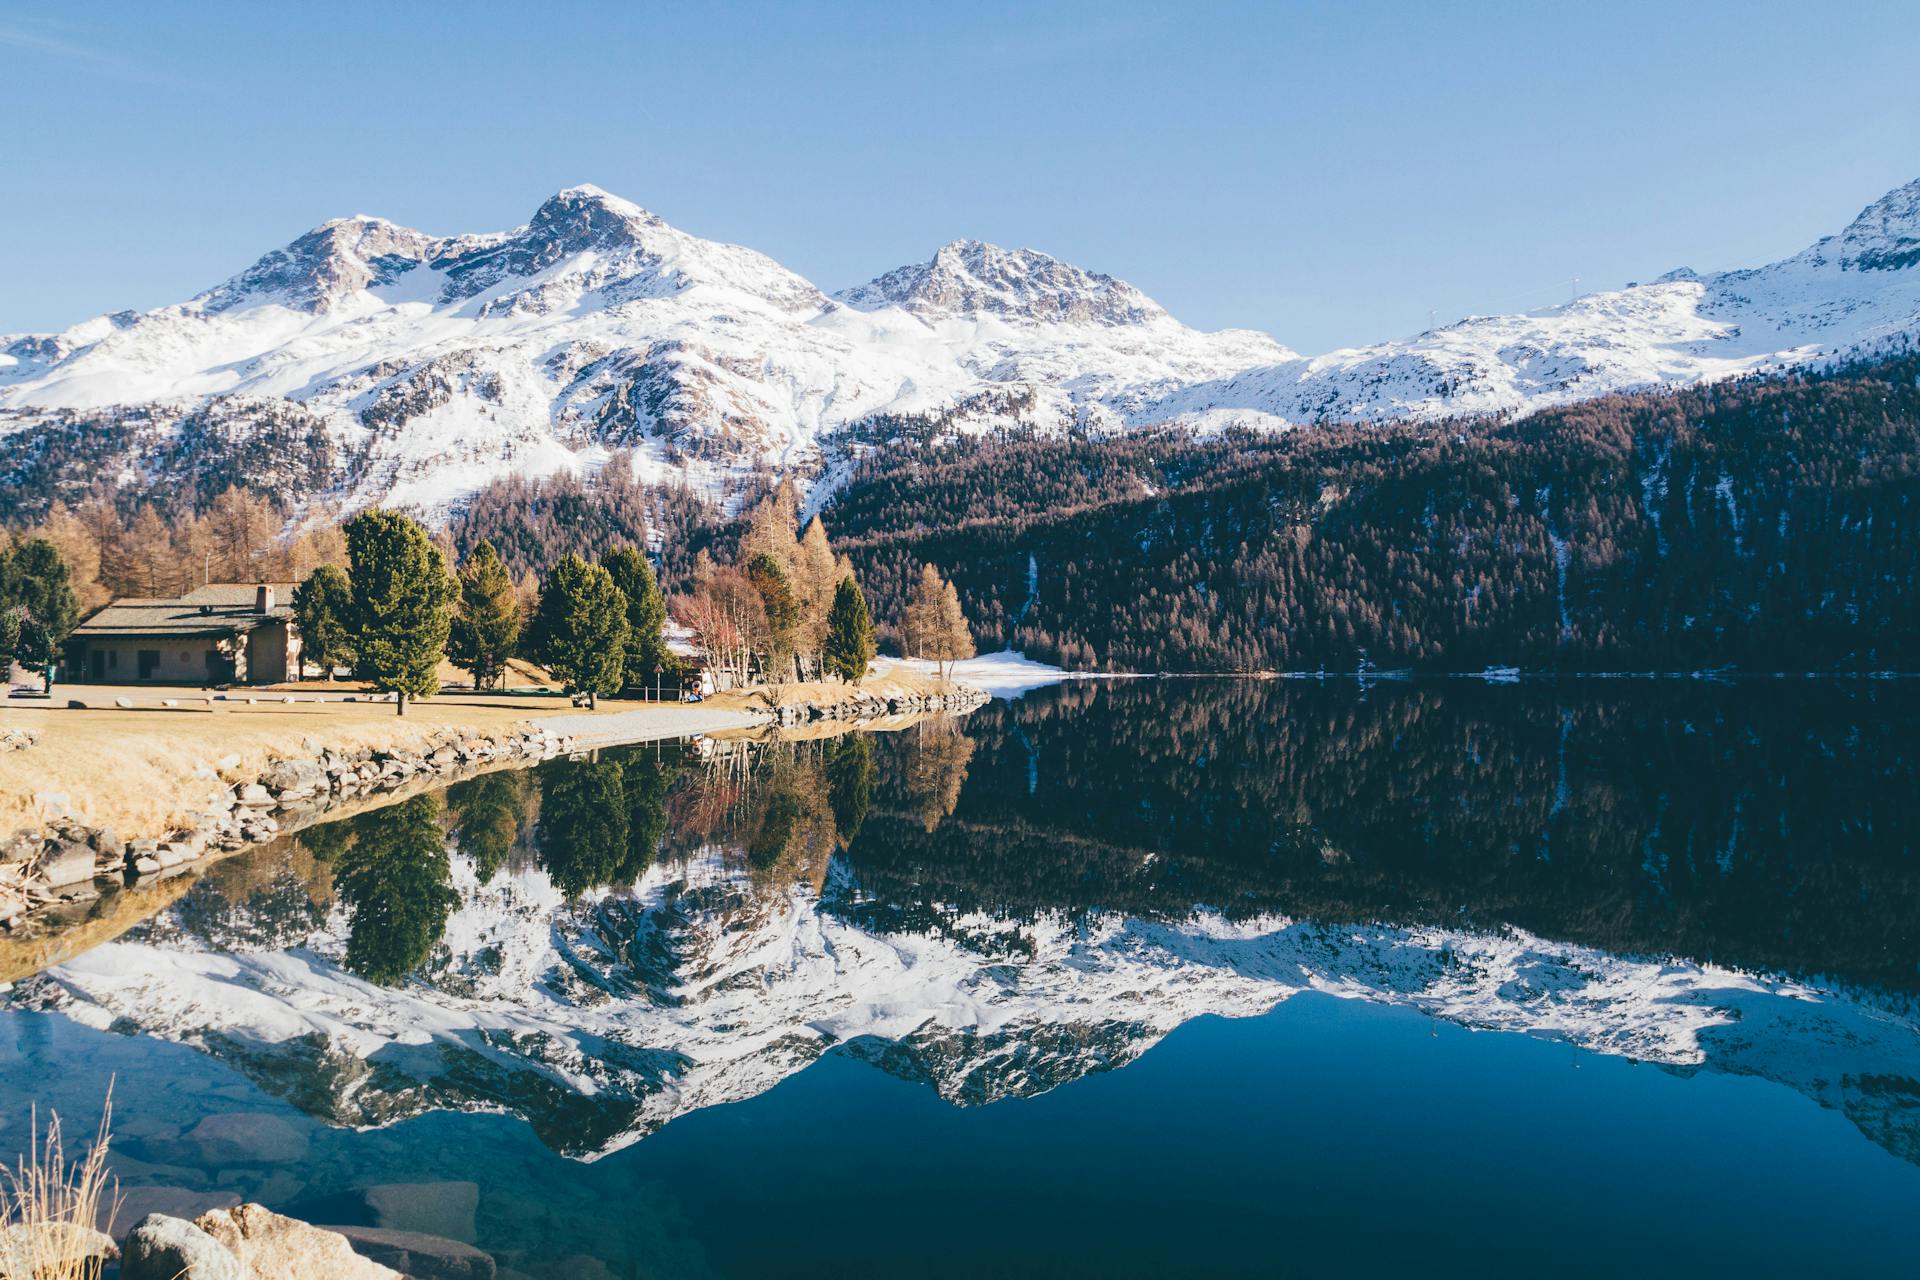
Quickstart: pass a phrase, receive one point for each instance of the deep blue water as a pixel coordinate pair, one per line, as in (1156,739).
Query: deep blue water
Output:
(1702,848)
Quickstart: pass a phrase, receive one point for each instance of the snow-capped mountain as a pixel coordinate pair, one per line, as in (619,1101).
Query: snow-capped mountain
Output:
(388,365)
(602,1021)
(1854,292)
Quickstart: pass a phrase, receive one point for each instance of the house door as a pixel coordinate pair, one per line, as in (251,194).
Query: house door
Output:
(97,665)
(149,663)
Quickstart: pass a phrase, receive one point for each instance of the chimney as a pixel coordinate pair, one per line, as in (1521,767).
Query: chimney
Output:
(263,599)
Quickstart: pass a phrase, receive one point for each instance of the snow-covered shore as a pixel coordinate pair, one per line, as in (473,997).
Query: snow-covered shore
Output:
(1006,674)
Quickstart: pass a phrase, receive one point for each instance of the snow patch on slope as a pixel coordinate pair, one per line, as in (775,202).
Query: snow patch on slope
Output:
(596,327)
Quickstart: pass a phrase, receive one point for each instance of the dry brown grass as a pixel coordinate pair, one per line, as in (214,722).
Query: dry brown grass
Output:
(149,770)
(138,771)
(48,1207)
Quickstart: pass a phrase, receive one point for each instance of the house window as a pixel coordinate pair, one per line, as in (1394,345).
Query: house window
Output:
(113,657)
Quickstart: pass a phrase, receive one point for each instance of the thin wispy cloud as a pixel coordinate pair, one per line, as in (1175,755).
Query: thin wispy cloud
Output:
(99,61)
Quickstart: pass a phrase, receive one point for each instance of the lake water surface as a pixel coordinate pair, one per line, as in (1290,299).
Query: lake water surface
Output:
(1119,978)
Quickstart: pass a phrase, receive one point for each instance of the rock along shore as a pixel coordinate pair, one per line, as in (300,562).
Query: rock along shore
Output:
(59,869)
(69,862)
(861,705)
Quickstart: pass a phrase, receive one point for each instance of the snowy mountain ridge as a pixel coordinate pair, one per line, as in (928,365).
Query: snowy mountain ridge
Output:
(698,987)
(420,367)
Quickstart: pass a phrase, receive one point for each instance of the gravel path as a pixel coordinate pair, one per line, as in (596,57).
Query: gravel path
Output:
(646,724)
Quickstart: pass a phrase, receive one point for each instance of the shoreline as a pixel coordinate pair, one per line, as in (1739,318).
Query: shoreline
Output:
(105,799)
(141,770)
(107,795)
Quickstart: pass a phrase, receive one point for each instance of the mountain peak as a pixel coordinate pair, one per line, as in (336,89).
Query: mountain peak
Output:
(336,258)
(586,217)
(589,200)
(1886,235)
(971,279)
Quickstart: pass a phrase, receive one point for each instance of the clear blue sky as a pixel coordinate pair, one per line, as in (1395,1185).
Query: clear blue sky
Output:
(1327,172)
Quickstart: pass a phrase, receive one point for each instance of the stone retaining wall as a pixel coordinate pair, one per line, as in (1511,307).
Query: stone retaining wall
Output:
(69,862)
(864,706)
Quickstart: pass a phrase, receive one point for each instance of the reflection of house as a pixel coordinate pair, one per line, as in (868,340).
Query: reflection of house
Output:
(223,633)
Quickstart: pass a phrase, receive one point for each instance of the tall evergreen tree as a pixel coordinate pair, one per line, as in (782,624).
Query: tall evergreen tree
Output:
(581,628)
(11,622)
(647,652)
(486,624)
(850,647)
(401,597)
(37,585)
(323,610)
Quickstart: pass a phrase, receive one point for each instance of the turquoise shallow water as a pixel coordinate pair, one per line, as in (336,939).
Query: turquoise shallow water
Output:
(1135,980)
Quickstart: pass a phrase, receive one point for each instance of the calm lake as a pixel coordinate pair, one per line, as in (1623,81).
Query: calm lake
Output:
(1118,978)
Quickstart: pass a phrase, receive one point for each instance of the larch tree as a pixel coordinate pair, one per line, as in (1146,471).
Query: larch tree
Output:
(782,610)
(144,559)
(849,648)
(402,597)
(79,546)
(771,525)
(486,622)
(816,573)
(646,654)
(581,628)
(243,529)
(323,611)
(319,541)
(935,626)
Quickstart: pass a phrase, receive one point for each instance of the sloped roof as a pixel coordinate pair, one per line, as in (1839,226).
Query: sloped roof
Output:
(217,609)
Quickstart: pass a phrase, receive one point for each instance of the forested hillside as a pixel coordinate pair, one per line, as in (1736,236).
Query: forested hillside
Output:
(1764,524)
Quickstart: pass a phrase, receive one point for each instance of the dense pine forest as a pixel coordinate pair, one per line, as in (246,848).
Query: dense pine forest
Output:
(1761,524)
(1764,524)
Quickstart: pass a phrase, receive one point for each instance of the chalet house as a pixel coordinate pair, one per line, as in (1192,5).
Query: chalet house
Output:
(223,633)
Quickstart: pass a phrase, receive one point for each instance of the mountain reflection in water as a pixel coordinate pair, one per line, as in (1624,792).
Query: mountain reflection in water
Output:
(1699,877)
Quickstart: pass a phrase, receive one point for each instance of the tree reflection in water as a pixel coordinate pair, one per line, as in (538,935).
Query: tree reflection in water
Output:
(850,773)
(397,884)
(1775,833)
(602,821)
(490,813)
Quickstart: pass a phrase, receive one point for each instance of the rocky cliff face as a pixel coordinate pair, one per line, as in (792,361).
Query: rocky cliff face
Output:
(971,280)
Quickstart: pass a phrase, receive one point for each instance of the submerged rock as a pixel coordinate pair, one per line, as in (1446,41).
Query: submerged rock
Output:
(435,1208)
(248,1137)
(421,1256)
